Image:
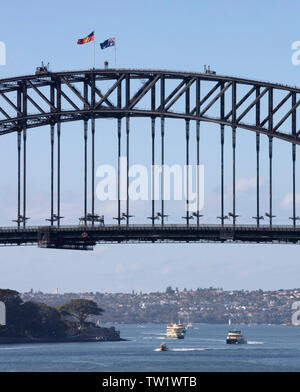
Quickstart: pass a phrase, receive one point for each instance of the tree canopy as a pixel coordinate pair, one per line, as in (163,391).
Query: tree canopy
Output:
(42,320)
(30,319)
(37,320)
(80,309)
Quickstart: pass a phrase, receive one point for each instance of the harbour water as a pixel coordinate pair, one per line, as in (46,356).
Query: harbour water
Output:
(269,348)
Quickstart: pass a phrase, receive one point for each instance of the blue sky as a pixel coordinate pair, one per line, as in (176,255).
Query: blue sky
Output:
(249,39)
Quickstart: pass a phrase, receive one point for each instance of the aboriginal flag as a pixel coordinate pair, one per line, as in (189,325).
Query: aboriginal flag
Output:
(87,39)
(109,42)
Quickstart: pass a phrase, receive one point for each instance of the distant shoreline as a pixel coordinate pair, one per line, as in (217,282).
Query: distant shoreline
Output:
(202,305)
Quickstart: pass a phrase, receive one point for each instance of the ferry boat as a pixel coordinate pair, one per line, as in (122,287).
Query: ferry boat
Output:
(175,331)
(235,337)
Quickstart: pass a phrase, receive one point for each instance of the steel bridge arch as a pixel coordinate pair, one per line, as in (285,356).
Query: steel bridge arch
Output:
(54,98)
(18,116)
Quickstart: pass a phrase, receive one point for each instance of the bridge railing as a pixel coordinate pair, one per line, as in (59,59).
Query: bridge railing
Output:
(149,226)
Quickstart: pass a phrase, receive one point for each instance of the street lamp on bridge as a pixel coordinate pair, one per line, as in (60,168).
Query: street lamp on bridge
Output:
(124,217)
(20,219)
(158,216)
(222,218)
(294,219)
(233,216)
(257,218)
(187,218)
(55,218)
(270,217)
(197,215)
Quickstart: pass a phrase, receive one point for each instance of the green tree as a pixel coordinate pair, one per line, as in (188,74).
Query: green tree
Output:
(80,309)
(30,319)
(42,321)
(14,313)
(169,290)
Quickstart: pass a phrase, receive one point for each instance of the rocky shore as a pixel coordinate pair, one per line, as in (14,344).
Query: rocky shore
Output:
(94,334)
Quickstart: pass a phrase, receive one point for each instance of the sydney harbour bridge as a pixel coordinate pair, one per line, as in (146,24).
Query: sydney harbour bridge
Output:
(50,99)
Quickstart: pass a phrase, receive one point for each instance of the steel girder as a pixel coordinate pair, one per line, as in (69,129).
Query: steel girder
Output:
(50,98)
(86,237)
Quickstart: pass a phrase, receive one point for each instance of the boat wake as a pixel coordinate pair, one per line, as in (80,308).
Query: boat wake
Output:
(17,348)
(94,363)
(188,349)
(183,349)
(255,342)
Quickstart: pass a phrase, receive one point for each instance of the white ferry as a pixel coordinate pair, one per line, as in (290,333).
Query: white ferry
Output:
(235,337)
(175,331)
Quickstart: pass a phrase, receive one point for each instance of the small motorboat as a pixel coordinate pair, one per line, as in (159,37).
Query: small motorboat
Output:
(163,347)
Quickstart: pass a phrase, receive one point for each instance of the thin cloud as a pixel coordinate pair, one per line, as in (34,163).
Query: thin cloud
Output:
(244,184)
(287,201)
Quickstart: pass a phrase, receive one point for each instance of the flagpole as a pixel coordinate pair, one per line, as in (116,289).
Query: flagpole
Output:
(94,50)
(115,53)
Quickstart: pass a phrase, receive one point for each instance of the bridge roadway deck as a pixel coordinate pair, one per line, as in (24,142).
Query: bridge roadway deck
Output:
(86,237)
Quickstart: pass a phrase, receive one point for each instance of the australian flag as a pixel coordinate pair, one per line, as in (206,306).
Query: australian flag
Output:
(109,42)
